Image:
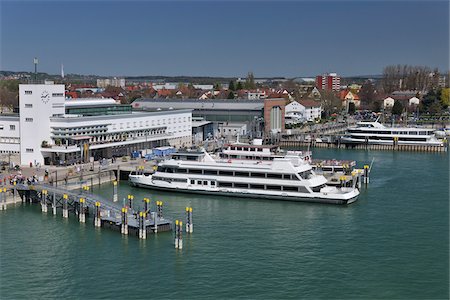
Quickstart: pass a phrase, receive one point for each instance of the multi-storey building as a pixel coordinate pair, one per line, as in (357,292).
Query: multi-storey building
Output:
(52,129)
(329,81)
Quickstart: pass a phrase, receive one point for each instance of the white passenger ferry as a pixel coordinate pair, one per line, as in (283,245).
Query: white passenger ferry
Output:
(282,179)
(256,152)
(376,133)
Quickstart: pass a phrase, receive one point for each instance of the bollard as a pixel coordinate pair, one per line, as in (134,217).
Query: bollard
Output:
(130,202)
(54,203)
(366,174)
(159,205)
(44,201)
(187,220)
(140,224)
(2,200)
(82,215)
(191,227)
(97,219)
(189,223)
(180,236)
(14,192)
(144,227)
(176,234)
(124,227)
(115,195)
(65,212)
(155,220)
(146,205)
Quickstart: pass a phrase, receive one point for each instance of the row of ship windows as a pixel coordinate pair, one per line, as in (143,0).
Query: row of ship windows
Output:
(300,189)
(247,149)
(379,138)
(304,175)
(392,132)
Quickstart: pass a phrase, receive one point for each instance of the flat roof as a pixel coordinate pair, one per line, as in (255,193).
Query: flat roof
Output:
(197,104)
(121,116)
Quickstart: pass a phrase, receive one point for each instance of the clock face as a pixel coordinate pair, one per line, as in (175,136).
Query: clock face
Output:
(45,96)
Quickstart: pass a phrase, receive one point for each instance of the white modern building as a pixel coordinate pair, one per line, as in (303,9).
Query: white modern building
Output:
(9,134)
(51,129)
(304,110)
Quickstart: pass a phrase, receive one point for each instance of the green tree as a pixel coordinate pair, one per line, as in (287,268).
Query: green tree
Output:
(216,86)
(231,95)
(232,86)
(435,108)
(431,97)
(239,86)
(376,106)
(250,81)
(367,93)
(397,109)
(445,97)
(351,108)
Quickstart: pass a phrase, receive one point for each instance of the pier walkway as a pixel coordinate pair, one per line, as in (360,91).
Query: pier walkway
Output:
(105,212)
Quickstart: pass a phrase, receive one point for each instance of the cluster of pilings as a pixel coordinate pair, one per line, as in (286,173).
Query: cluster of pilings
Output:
(105,213)
(179,228)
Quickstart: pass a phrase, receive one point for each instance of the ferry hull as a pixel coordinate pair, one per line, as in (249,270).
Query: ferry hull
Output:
(351,141)
(248,195)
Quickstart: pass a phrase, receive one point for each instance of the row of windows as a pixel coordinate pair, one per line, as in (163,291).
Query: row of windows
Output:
(29,150)
(300,189)
(304,175)
(249,157)
(203,182)
(70,129)
(9,140)
(28,119)
(168,179)
(378,138)
(11,127)
(28,105)
(153,123)
(246,149)
(391,132)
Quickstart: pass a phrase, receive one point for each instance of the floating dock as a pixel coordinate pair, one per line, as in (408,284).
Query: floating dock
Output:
(104,212)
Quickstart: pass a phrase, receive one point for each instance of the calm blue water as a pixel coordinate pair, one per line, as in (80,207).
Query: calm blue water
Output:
(392,243)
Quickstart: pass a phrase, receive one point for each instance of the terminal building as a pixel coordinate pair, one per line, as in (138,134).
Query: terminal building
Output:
(51,129)
(231,117)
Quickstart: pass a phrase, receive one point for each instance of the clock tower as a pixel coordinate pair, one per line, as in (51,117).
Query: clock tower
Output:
(37,104)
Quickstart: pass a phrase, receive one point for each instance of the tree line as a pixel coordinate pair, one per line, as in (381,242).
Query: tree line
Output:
(406,77)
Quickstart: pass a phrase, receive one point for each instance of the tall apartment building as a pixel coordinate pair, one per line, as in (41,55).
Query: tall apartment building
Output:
(330,82)
(117,82)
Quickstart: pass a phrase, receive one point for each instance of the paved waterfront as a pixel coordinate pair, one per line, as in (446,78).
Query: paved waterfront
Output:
(392,243)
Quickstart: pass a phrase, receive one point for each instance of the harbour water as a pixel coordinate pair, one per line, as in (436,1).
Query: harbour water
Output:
(392,243)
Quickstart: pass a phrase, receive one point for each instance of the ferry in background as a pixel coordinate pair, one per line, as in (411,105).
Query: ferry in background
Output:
(376,133)
(282,179)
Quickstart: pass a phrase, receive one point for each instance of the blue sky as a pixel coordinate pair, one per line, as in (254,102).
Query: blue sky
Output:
(218,38)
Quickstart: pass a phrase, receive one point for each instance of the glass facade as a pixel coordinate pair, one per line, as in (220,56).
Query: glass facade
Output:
(99,110)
